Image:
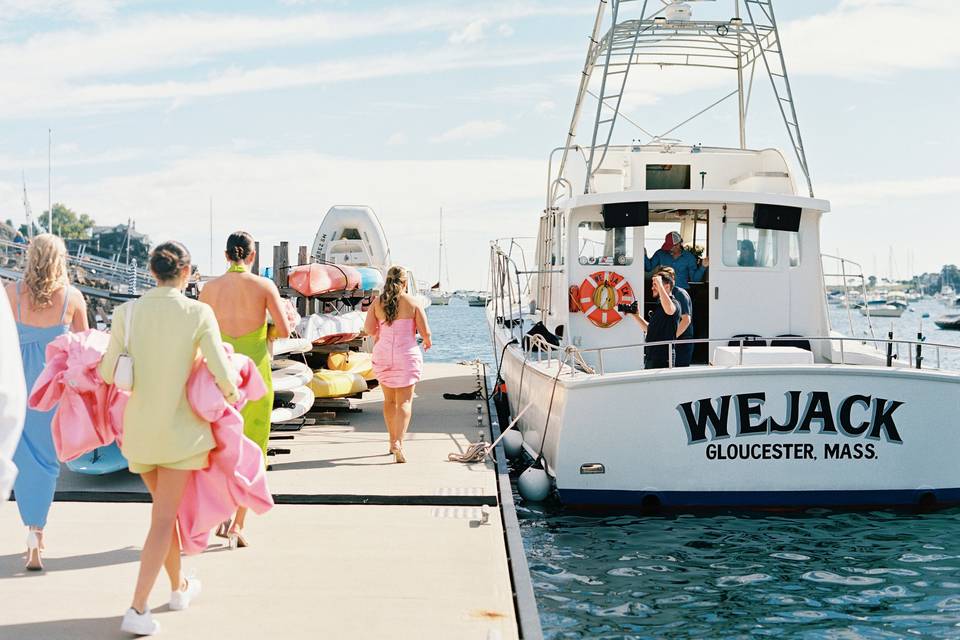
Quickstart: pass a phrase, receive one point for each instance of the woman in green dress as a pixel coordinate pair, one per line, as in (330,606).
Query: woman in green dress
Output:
(240,301)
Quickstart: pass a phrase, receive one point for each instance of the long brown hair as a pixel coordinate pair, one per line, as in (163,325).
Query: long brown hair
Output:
(394,287)
(46,270)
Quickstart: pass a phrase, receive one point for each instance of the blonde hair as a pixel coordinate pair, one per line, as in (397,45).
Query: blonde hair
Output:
(393,287)
(46,270)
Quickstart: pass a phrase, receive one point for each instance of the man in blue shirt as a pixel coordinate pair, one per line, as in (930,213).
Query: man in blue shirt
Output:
(683,262)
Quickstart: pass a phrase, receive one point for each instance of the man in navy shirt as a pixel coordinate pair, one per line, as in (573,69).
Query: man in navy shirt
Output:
(684,263)
(663,323)
(683,352)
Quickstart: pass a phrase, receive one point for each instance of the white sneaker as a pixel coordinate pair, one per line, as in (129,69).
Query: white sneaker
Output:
(140,624)
(180,600)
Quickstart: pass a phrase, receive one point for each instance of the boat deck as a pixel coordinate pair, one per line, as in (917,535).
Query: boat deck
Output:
(358,547)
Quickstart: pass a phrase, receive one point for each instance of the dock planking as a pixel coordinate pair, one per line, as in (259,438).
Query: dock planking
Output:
(358,546)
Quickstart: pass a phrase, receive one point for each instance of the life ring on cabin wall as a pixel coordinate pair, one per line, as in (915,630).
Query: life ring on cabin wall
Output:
(600,293)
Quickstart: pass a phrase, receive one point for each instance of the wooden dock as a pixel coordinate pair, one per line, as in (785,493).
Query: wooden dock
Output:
(357,547)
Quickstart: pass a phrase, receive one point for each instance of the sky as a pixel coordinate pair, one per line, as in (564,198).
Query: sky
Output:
(279,109)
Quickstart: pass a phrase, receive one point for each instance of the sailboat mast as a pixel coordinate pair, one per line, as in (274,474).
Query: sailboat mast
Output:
(440,255)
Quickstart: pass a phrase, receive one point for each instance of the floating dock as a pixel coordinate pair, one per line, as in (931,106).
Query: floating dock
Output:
(357,546)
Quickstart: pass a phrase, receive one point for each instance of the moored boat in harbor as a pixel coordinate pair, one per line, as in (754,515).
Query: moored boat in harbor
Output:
(778,408)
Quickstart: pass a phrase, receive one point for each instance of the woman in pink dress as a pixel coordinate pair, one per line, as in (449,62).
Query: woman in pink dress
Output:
(394,319)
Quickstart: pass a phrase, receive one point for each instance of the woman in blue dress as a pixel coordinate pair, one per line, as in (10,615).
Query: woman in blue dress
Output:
(45,306)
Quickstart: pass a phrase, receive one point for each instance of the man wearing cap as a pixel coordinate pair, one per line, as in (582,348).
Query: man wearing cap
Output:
(683,262)
(663,323)
(683,351)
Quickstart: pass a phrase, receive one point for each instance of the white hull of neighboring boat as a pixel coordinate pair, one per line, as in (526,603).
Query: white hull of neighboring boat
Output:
(883,312)
(633,427)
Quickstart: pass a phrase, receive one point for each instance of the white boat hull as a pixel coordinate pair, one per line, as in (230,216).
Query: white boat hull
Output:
(883,312)
(893,444)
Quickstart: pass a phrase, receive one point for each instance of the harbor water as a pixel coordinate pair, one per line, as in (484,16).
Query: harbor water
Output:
(811,574)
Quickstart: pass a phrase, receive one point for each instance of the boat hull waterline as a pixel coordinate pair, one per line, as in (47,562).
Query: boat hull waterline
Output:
(742,436)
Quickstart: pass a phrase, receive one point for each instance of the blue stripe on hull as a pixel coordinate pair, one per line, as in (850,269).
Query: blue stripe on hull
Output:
(844,498)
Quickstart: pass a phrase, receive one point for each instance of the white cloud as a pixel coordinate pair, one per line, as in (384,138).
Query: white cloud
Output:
(42,95)
(874,38)
(278,197)
(881,191)
(397,139)
(87,10)
(545,105)
(505,30)
(473,130)
(473,32)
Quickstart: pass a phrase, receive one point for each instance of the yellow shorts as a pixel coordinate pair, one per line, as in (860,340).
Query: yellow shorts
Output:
(193,463)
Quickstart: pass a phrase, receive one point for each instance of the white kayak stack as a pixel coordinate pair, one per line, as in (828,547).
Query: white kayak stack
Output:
(331,328)
(292,397)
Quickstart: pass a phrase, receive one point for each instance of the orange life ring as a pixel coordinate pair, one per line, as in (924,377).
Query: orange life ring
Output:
(600,293)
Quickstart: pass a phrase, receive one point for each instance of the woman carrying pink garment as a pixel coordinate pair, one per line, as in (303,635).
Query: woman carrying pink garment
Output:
(394,319)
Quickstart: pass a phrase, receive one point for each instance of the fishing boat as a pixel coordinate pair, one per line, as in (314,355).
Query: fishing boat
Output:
(779,408)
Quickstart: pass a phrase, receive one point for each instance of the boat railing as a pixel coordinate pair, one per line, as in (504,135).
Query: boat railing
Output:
(848,270)
(543,352)
(510,282)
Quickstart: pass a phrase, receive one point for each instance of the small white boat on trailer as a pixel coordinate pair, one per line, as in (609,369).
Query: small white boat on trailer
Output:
(777,409)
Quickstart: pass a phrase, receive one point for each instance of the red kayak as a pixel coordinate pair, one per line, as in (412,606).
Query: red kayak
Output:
(316,279)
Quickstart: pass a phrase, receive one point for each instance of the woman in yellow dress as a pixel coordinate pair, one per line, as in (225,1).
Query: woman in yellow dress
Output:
(241,300)
(163,440)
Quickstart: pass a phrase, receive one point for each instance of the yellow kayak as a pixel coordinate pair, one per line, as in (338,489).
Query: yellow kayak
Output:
(334,384)
(352,361)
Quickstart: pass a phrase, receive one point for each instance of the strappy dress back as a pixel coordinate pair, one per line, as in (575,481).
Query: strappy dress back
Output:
(36,458)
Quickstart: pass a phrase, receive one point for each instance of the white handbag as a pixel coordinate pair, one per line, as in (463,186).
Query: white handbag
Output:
(123,373)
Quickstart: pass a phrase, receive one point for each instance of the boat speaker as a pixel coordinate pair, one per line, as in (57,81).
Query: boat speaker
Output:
(626,214)
(775,216)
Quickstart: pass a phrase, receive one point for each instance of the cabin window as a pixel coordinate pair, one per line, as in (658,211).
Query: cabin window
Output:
(794,249)
(668,176)
(746,246)
(607,247)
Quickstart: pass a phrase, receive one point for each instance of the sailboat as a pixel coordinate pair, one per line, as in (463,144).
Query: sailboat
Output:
(438,295)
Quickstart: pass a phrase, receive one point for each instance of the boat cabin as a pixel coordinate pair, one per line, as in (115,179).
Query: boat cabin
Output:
(737,213)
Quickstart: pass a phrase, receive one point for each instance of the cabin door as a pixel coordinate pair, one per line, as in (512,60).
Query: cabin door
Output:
(749,287)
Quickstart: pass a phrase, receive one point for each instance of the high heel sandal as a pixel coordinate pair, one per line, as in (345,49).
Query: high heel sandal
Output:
(34,561)
(223,531)
(398,456)
(237,541)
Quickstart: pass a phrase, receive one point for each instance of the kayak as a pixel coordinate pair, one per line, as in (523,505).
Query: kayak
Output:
(289,405)
(353,362)
(289,374)
(370,279)
(334,384)
(329,328)
(317,279)
(100,461)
